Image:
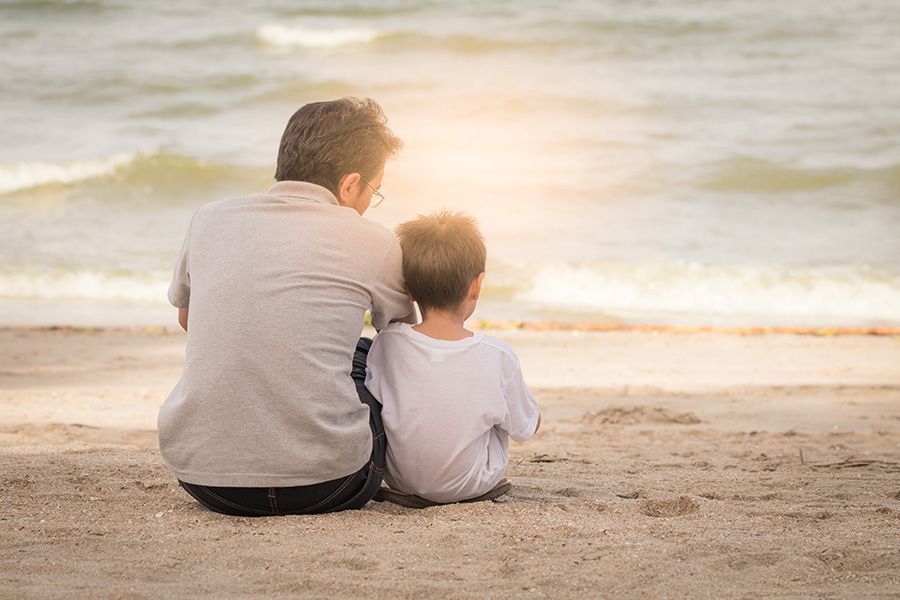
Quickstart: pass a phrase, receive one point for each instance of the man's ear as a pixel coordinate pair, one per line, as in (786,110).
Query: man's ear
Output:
(348,188)
(475,287)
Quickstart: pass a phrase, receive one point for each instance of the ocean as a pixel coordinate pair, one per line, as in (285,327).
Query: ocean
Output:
(680,162)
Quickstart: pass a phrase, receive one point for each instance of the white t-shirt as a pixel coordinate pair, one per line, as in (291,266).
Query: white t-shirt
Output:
(448,408)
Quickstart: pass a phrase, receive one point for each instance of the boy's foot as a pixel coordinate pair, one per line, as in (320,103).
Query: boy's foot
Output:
(412,501)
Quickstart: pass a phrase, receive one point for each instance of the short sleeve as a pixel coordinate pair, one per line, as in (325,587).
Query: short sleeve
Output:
(390,302)
(180,288)
(521,408)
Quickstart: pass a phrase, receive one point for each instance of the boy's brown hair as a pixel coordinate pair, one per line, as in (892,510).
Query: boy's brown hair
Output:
(442,254)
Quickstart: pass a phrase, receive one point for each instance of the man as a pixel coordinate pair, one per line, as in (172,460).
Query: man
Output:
(268,417)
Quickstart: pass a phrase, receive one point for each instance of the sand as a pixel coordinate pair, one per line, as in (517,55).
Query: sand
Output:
(701,465)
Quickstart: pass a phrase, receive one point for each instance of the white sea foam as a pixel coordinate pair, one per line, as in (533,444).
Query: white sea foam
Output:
(84,285)
(21,176)
(660,289)
(284,36)
(652,291)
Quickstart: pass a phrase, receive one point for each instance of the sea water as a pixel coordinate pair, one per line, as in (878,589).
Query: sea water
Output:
(692,161)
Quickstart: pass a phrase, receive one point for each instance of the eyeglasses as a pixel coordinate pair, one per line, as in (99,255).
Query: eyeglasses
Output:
(375,193)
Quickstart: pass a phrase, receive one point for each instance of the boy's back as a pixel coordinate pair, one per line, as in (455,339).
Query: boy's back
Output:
(448,408)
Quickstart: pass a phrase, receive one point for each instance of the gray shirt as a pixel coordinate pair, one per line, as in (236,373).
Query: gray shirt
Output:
(277,285)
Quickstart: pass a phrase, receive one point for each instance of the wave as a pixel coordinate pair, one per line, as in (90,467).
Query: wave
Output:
(363,10)
(653,289)
(756,175)
(463,43)
(295,92)
(21,176)
(658,291)
(84,285)
(168,175)
(57,6)
(546,38)
(179,110)
(285,36)
(660,27)
(313,37)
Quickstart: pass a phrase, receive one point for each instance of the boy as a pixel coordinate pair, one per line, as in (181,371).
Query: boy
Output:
(450,397)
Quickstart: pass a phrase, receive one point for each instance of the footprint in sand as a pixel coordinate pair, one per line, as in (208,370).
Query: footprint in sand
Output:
(634,415)
(754,559)
(668,508)
(546,458)
(880,465)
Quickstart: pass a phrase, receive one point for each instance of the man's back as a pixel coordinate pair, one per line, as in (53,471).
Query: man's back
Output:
(448,408)
(277,285)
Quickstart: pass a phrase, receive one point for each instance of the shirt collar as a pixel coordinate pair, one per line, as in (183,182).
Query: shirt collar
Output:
(303,190)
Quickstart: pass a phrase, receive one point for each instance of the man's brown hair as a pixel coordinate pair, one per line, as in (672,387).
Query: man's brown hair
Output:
(324,141)
(442,254)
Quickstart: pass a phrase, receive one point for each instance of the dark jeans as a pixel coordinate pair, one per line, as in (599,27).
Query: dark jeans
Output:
(352,491)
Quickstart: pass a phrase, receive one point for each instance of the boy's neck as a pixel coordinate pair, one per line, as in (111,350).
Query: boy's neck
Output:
(444,325)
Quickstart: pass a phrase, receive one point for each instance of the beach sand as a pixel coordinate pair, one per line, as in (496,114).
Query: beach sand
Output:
(701,465)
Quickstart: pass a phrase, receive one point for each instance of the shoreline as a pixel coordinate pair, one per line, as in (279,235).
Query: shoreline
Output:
(578,326)
(686,329)
(491,315)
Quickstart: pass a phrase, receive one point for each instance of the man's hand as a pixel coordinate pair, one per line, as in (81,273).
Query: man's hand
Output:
(183,318)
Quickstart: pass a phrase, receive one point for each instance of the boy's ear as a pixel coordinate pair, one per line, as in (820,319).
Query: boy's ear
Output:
(475,287)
